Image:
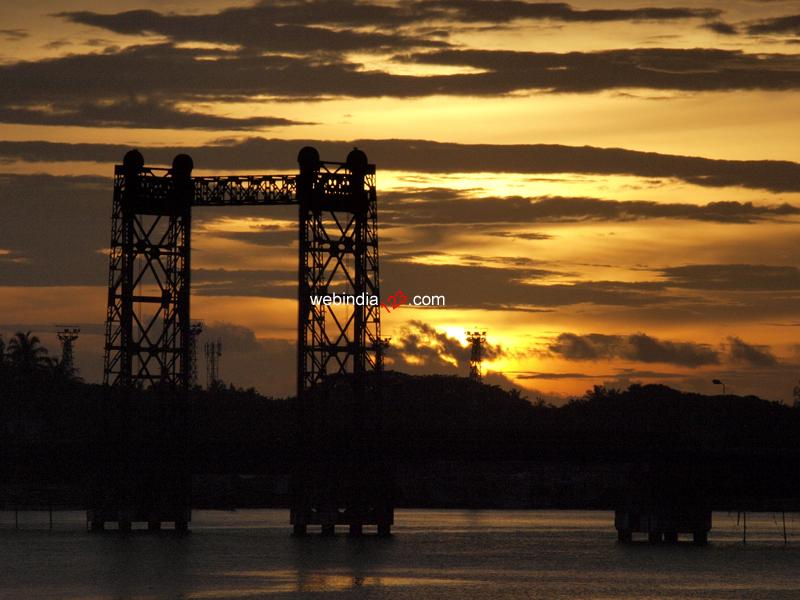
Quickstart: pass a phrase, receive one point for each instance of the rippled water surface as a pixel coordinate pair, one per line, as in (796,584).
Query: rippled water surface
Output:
(433,554)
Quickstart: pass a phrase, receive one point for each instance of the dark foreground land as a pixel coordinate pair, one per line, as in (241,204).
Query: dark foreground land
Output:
(451,442)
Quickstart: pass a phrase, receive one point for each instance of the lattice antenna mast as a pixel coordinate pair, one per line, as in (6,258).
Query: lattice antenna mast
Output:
(382,345)
(213,355)
(476,339)
(68,336)
(195,330)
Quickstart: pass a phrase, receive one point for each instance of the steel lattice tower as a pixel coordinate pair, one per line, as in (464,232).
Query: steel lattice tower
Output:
(143,472)
(149,271)
(213,354)
(476,339)
(149,336)
(338,253)
(68,336)
(340,477)
(195,330)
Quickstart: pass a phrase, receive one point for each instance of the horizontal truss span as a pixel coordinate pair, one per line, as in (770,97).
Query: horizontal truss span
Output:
(242,190)
(247,190)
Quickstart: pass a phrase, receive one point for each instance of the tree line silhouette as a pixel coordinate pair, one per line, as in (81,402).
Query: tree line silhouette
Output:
(25,358)
(452,441)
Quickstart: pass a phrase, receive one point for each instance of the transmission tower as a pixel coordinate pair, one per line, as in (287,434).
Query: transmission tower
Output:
(383,344)
(213,354)
(476,339)
(67,336)
(195,330)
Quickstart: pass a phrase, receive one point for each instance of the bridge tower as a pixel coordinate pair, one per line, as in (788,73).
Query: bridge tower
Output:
(341,477)
(147,321)
(142,471)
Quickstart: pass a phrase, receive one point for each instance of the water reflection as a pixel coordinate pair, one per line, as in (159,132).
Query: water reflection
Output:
(479,554)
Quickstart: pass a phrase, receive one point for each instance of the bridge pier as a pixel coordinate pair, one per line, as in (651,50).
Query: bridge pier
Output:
(663,525)
(341,475)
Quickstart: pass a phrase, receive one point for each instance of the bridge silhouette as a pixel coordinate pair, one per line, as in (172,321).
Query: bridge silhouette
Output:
(143,474)
(341,465)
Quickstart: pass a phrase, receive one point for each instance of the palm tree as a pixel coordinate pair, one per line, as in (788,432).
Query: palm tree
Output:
(26,353)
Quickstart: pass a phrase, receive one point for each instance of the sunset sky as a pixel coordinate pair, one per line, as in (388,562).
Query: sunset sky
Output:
(609,189)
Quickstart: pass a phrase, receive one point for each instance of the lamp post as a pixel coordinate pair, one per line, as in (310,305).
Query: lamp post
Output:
(718,382)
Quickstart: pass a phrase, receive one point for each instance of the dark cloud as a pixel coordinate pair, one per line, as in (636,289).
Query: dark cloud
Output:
(522,235)
(67,228)
(704,307)
(307,24)
(697,69)
(495,286)
(160,76)
(260,27)
(265,235)
(13,35)
(500,11)
(557,376)
(301,50)
(441,205)
(56,228)
(645,348)
(421,348)
(242,282)
(788,24)
(734,277)
(638,347)
(192,74)
(134,114)
(439,157)
(627,373)
(169,74)
(721,27)
(747,354)
(466,285)
(646,374)
(509,288)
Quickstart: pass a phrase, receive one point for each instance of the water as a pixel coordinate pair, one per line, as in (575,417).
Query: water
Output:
(434,554)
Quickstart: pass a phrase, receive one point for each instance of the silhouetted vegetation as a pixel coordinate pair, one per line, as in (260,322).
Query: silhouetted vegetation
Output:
(454,441)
